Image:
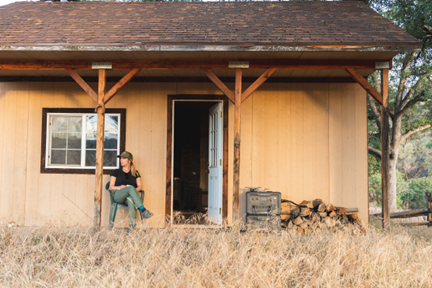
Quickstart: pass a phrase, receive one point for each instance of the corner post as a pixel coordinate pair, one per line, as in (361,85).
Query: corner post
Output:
(99,150)
(237,139)
(384,149)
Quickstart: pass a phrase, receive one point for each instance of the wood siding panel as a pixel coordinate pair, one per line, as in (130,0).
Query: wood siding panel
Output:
(335,144)
(3,120)
(348,145)
(8,205)
(361,153)
(297,143)
(305,140)
(284,143)
(321,94)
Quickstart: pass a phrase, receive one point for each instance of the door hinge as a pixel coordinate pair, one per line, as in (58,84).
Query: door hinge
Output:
(220,162)
(220,211)
(220,114)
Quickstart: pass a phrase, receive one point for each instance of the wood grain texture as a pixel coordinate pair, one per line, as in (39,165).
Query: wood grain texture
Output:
(119,85)
(219,84)
(99,150)
(237,144)
(335,145)
(254,86)
(365,84)
(83,84)
(281,108)
(385,129)
(192,64)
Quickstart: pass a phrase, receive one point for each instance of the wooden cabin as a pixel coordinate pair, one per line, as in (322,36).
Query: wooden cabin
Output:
(246,94)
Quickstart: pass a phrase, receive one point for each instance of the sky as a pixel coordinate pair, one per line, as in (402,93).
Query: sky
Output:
(5,2)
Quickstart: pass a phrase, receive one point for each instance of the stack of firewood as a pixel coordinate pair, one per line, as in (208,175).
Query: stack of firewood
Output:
(316,216)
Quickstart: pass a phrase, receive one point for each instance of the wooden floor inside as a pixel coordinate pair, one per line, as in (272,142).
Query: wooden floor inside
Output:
(191,218)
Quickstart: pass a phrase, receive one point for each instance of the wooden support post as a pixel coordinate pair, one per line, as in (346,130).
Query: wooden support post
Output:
(384,149)
(237,139)
(99,150)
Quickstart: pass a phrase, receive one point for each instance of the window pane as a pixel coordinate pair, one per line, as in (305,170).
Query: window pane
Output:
(110,158)
(91,124)
(111,124)
(74,141)
(58,140)
(74,157)
(110,141)
(59,123)
(90,158)
(75,124)
(58,157)
(91,140)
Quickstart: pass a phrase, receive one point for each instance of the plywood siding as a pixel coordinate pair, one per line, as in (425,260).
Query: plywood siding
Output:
(307,141)
(304,140)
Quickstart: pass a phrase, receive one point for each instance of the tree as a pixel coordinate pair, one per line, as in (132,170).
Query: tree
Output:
(410,84)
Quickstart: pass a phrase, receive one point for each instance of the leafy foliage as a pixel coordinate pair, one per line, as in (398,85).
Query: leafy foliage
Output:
(415,197)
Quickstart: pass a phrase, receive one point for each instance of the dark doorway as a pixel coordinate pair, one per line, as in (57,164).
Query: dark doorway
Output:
(191,136)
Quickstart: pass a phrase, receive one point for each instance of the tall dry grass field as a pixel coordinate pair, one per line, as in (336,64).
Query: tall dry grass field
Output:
(54,257)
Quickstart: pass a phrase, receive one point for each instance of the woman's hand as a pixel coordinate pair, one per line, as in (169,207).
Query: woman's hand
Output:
(121,187)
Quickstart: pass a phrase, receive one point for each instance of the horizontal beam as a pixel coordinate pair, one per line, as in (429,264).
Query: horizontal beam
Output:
(192,64)
(180,79)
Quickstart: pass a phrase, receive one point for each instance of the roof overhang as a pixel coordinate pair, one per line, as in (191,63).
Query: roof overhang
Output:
(240,47)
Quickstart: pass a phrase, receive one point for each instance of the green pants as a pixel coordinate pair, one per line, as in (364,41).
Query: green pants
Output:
(130,196)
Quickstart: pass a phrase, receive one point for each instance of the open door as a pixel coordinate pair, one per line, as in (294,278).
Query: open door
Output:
(215,163)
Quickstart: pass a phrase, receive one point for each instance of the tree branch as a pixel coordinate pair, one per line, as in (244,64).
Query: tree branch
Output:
(375,152)
(414,89)
(404,73)
(375,111)
(411,132)
(410,103)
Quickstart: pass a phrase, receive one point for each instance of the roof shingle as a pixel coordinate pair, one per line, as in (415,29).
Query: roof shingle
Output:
(290,23)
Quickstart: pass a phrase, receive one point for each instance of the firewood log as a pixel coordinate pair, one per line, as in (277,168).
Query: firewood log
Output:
(290,224)
(315,217)
(305,211)
(330,208)
(340,210)
(304,225)
(322,214)
(332,214)
(316,203)
(298,221)
(307,204)
(321,208)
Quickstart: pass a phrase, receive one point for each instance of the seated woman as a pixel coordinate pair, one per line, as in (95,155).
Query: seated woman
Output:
(126,182)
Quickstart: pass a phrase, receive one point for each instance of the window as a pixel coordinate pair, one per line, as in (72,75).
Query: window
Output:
(69,140)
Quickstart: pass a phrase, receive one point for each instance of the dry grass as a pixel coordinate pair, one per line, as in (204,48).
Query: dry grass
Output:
(54,257)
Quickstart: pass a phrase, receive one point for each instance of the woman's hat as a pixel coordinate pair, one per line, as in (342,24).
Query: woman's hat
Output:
(126,155)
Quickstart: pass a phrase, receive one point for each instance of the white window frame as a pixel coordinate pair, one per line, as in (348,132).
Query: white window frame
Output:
(83,140)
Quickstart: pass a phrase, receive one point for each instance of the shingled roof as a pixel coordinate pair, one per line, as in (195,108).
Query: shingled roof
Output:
(251,24)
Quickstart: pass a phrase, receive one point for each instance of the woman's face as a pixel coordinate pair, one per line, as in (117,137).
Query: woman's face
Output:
(125,162)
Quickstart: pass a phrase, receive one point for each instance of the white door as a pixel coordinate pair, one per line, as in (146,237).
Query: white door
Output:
(215,164)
